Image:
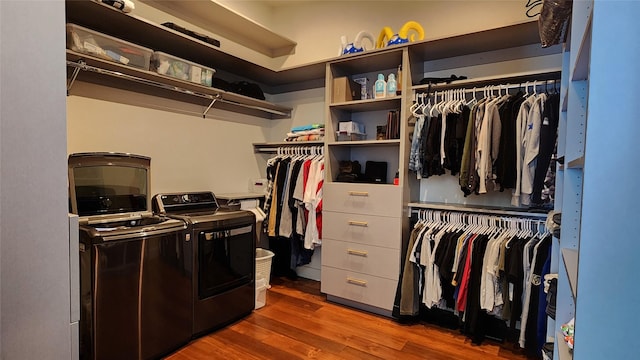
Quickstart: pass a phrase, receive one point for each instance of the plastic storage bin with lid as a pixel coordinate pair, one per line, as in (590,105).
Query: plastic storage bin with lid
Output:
(85,41)
(182,69)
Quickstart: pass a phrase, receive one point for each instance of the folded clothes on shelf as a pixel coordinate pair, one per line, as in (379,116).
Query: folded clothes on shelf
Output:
(568,332)
(307,127)
(314,134)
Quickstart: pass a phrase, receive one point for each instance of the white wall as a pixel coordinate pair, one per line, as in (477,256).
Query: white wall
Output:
(318,37)
(34,236)
(317,25)
(308,108)
(188,153)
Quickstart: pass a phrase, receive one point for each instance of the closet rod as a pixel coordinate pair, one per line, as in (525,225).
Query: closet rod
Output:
(526,85)
(272,147)
(218,96)
(517,79)
(320,149)
(417,206)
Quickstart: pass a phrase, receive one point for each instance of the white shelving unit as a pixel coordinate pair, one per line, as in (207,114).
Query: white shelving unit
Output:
(596,252)
(569,180)
(373,287)
(362,222)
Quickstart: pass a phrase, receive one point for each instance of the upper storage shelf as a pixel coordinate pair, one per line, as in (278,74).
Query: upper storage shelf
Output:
(482,41)
(511,36)
(111,74)
(219,19)
(110,21)
(130,27)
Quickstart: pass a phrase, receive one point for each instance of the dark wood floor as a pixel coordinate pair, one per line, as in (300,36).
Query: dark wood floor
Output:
(298,323)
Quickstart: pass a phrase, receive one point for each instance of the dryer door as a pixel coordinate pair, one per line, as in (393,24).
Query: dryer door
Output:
(226,259)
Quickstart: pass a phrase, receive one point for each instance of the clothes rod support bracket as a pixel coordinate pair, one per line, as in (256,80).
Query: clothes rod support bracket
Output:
(74,75)
(204,114)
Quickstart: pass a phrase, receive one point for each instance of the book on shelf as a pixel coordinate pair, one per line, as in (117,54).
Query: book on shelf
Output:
(393,124)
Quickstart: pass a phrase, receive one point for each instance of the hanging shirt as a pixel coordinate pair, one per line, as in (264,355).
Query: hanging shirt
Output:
(530,278)
(521,125)
(506,161)
(273,207)
(465,171)
(415,163)
(548,142)
(432,294)
(312,198)
(285,227)
(531,146)
(409,287)
(298,194)
(488,143)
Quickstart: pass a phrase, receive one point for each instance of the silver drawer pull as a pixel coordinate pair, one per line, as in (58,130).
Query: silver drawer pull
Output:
(358,193)
(356,282)
(357,252)
(358,223)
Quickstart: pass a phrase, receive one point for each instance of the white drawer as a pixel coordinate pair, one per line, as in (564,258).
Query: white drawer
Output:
(366,289)
(363,229)
(370,199)
(364,259)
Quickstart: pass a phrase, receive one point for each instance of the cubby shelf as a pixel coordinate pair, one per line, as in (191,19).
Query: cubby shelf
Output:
(392,142)
(368,104)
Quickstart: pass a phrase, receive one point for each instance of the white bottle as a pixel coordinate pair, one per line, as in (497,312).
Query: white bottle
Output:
(392,85)
(380,87)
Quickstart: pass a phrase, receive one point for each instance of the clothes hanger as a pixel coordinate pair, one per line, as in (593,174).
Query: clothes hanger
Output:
(420,111)
(416,105)
(473,100)
(427,105)
(433,112)
(462,101)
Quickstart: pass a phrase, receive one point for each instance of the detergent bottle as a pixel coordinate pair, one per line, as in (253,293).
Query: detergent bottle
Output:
(392,85)
(380,87)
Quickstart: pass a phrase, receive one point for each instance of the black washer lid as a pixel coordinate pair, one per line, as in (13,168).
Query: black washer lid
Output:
(104,183)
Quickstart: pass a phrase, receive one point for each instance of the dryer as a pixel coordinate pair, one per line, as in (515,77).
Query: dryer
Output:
(224,251)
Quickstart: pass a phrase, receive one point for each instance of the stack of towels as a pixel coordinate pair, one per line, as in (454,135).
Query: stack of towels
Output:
(311,132)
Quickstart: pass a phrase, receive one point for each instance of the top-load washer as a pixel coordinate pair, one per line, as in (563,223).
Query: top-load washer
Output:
(135,267)
(224,257)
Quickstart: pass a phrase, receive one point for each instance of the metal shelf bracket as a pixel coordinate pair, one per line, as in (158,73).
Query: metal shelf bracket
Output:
(74,75)
(204,114)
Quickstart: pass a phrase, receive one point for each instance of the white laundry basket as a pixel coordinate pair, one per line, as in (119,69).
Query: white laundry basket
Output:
(263,275)
(263,264)
(261,293)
